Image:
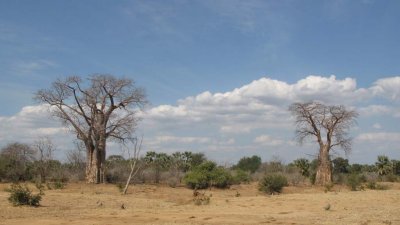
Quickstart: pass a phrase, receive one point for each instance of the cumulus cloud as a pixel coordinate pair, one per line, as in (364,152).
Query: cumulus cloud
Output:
(181,140)
(32,123)
(379,137)
(267,140)
(259,105)
(388,88)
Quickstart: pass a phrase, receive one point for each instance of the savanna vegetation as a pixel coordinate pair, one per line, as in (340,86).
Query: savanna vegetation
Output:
(104,108)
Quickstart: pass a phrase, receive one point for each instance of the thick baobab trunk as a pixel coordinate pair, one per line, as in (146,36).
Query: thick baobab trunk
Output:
(95,164)
(92,169)
(324,170)
(95,167)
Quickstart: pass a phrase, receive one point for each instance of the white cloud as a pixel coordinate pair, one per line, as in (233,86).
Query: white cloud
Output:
(388,88)
(267,140)
(373,110)
(377,126)
(181,140)
(379,137)
(259,105)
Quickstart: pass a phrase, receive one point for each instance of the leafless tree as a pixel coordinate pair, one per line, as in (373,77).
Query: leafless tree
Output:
(102,108)
(329,126)
(76,156)
(133,158)
(44,149)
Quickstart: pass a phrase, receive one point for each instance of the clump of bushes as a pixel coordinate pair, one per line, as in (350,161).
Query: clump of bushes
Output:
(273,183)
(21,195)
(208,174)
(241,176)
(354,182)
(376,186)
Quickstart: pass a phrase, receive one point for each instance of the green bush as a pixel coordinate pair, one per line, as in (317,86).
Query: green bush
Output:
(391,178)
(354,182)
(273,183)
(374,186)
(206,175)
(250,164)
(241,176)
(21,195)
(303,165)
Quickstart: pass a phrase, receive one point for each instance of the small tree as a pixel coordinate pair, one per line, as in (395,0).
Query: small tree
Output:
(341,165)
(44,148)
(133,158)
(383,165)
(329,126)
(303,165)
(249,163)
(159,162)
(395,167)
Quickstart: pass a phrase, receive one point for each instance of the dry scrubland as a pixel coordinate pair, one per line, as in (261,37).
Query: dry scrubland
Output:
(148,204)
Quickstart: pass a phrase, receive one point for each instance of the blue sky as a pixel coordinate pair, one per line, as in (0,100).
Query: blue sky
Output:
(178,49)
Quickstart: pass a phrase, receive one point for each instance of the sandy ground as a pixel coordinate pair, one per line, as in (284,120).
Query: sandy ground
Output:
(148,204)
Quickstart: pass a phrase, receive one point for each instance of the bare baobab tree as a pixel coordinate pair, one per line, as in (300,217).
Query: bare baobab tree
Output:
(97,109)
(329,126)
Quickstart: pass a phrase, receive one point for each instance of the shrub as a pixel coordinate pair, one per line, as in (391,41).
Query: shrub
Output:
(21,195)
(391,178)
(58,185)
(201,198)
(313,178)
(328,187)
(354,182)
(371,185)
(206,175)
(55,185)
(241,176)
(120,187)
(172,182)
(196,180)
(374,186)
(273,183)
(295,178)
(220,178)
(381,187)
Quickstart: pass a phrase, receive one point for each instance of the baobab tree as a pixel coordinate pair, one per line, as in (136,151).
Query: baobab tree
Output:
(329,126)
(96,109)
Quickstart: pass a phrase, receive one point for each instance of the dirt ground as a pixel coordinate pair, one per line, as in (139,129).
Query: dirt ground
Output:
(149,204)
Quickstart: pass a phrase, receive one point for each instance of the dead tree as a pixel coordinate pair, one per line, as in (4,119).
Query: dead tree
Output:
(44,148)
(329,126)
(102,108)
(133,158)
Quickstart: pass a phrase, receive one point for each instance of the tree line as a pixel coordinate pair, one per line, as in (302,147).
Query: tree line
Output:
(35,162)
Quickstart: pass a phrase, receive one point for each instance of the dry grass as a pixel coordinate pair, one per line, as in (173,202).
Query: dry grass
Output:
(147,204)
